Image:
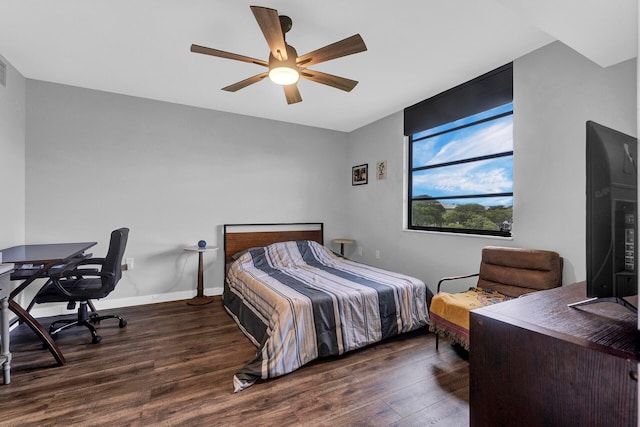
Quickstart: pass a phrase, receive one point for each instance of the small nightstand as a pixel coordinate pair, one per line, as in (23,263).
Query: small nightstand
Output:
(200,297)
(342,242)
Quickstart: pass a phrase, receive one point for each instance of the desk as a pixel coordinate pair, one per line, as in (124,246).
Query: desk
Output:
(200,298)
(46,255)
(5,353)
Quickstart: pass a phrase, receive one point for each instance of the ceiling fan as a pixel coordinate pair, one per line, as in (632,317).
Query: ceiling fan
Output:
(285,67)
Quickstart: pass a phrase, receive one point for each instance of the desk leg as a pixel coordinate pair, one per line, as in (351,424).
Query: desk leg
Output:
(200,298)
(6,352)
(39,330)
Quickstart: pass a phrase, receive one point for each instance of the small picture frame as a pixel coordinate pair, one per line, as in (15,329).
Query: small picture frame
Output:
(359,174)
(381,169)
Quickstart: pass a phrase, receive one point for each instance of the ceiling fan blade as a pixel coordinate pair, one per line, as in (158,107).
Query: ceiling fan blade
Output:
(329,80)
(222,54)
(269,23)
(246,82)
(348,46)
(292,94)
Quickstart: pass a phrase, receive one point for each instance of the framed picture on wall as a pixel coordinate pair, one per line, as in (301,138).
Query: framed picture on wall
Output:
(381,170)
(359,174)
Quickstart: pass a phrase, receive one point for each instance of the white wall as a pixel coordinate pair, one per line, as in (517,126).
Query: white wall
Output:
(173,174)
(12,158)
(556,91)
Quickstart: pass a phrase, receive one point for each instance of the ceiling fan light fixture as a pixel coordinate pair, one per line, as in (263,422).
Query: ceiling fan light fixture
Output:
(284,72)
(284,75)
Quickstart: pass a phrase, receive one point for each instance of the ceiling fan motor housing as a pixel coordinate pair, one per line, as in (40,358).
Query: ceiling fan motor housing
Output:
(285,23)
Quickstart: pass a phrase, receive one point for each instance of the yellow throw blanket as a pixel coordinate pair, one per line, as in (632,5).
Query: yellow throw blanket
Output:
(449,313)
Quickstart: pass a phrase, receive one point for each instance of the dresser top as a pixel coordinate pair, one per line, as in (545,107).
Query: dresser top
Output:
(604,326)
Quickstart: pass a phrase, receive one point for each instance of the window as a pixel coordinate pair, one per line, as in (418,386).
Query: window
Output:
(461,166)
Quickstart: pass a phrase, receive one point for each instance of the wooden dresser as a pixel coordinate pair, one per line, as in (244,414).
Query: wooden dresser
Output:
(536,362)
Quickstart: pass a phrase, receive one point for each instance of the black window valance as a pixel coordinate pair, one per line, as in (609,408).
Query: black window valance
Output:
(483,93)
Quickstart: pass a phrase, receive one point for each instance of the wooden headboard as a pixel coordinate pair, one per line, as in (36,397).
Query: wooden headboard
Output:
(238,237)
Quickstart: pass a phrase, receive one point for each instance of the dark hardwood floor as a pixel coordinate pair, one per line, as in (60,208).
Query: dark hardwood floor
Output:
(173,365)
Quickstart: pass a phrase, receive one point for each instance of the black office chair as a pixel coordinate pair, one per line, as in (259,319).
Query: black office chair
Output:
(82,285)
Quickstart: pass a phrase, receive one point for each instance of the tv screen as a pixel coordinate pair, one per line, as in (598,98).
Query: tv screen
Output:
(611,214)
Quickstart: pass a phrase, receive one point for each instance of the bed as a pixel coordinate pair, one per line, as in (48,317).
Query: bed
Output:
(297,301)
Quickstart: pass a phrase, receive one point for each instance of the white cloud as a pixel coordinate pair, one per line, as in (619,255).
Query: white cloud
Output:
(470,178)
(496,138)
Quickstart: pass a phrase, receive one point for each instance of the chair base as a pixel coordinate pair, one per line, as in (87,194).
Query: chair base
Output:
(86,320)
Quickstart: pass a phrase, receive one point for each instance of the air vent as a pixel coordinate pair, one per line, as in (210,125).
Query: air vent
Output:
(3,74)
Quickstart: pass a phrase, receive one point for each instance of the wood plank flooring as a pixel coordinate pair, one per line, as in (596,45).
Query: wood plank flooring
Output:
(173,366)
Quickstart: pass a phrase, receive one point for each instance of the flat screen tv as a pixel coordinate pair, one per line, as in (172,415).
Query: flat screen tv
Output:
(612,209)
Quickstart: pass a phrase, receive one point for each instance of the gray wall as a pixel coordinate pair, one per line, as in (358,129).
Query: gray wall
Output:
(556,91)
(12,158)
(173,174)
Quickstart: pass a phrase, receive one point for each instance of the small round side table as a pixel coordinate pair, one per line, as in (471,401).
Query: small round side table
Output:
(200,298)
(342,242)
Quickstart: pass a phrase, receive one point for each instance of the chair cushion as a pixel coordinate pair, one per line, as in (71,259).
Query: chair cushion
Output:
(449,313)
(518,271)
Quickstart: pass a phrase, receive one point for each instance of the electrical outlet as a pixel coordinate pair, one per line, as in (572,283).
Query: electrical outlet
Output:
(360,250)
(377,254)
(129,263)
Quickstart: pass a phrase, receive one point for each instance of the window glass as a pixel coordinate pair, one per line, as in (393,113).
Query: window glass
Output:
(489,176)
(462,175)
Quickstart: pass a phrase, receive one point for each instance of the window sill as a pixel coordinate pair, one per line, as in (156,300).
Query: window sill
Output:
(446,233)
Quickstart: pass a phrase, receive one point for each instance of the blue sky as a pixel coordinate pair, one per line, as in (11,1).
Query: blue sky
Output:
(487,176)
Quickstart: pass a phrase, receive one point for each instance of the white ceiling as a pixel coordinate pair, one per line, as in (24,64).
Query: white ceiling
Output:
(416,48)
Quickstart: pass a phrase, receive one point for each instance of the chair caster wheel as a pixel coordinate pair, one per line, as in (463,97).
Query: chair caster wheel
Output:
(96,339)
(122,323)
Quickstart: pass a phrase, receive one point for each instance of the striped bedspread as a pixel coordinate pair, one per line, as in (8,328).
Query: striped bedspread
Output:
(297,301)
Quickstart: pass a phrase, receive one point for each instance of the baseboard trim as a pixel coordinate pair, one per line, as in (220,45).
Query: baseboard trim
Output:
(47,310)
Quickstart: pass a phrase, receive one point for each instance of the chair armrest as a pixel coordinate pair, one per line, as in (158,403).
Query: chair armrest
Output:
(81,273)
(60,269)
(445,279)
(69,269)
(73,275)
(92,261)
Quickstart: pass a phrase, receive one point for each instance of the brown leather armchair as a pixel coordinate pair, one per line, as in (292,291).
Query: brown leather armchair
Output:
(505,273)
